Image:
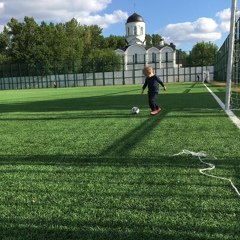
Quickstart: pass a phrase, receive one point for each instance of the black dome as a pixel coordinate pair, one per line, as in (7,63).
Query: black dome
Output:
(135,18)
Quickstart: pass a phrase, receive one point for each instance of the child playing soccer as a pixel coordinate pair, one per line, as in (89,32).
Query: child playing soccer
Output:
(152,81)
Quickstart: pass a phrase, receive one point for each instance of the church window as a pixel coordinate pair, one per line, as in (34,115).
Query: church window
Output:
(141,30)
(135,30)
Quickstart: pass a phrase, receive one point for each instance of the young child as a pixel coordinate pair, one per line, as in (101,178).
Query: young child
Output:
(152,81)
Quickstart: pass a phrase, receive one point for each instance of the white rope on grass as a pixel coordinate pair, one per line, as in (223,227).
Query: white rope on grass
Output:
(210,167)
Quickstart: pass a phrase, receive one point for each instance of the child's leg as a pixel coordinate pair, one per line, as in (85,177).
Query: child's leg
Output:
(151,101)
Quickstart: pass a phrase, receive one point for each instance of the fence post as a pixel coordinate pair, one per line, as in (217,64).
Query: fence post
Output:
(123,70)
(190,73)
(166,67)
(74,75)
(11,74)
(113,70)
(133,71)
(55,74)
(20,73)
(41,75)
(46,72)
(202,67)
(103,72)
(178,56)
(3,80)
(28,74)
(65,81)
(93,70)
(155,61)
(84,76)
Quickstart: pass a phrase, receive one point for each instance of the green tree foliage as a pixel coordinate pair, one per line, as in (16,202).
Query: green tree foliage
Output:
(202,54)
(48,45)
(115,42)
(156,40)
(102,60)
(24,39)
(4,45)
(148,40)
(153,40)
(54,47)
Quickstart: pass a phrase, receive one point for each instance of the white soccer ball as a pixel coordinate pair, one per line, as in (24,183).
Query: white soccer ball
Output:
(135,110)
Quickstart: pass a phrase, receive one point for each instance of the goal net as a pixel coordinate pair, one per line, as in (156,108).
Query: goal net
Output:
(233,70)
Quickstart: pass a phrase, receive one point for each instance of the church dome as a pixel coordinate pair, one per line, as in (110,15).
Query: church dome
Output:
(135,18)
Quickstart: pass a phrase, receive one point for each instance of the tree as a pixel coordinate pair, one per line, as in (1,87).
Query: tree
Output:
(153,40)
(203,54)
(4,46)
(115,42)
(156,40)
(148,40)
(51,45)
(62,44)
(102,60)
(24,37)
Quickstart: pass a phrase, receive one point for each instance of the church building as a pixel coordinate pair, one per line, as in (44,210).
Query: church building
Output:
(137,53)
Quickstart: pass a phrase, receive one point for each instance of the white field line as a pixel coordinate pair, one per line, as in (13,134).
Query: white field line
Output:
(231,115)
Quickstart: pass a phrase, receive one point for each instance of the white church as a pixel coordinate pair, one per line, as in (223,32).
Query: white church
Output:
(136,54)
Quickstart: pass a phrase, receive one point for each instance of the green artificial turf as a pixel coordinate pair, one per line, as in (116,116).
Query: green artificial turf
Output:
(75,164)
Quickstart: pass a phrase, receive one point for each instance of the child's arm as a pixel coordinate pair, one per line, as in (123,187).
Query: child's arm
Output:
(161,83)
(144,86)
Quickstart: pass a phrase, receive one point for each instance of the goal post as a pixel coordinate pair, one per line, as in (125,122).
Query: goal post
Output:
(230,54)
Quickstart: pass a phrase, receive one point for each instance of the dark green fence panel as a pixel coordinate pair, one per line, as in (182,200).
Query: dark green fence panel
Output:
(101,72)
(221,60)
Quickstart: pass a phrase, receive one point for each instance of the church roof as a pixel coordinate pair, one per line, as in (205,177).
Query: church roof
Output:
(135,18)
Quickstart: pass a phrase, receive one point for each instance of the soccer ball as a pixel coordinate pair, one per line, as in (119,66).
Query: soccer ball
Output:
(135,110)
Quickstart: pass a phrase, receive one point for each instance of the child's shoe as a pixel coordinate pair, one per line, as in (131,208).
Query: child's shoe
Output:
(156,111)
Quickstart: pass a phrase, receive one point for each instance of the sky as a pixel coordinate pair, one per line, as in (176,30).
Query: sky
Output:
(181,22)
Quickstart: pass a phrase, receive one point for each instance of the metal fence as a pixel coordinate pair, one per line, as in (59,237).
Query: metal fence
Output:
(221,60)
(81,73)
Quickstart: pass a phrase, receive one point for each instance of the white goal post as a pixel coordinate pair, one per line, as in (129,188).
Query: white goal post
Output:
(230,53)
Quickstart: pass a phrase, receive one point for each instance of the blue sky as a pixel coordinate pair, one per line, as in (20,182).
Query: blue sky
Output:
(185,22)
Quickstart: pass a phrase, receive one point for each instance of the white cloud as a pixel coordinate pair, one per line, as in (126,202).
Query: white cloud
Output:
(224,15)
(104,21)
(206,25)
(224,18)
(1,11)
(85,11)
(203,29)
(225,26)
